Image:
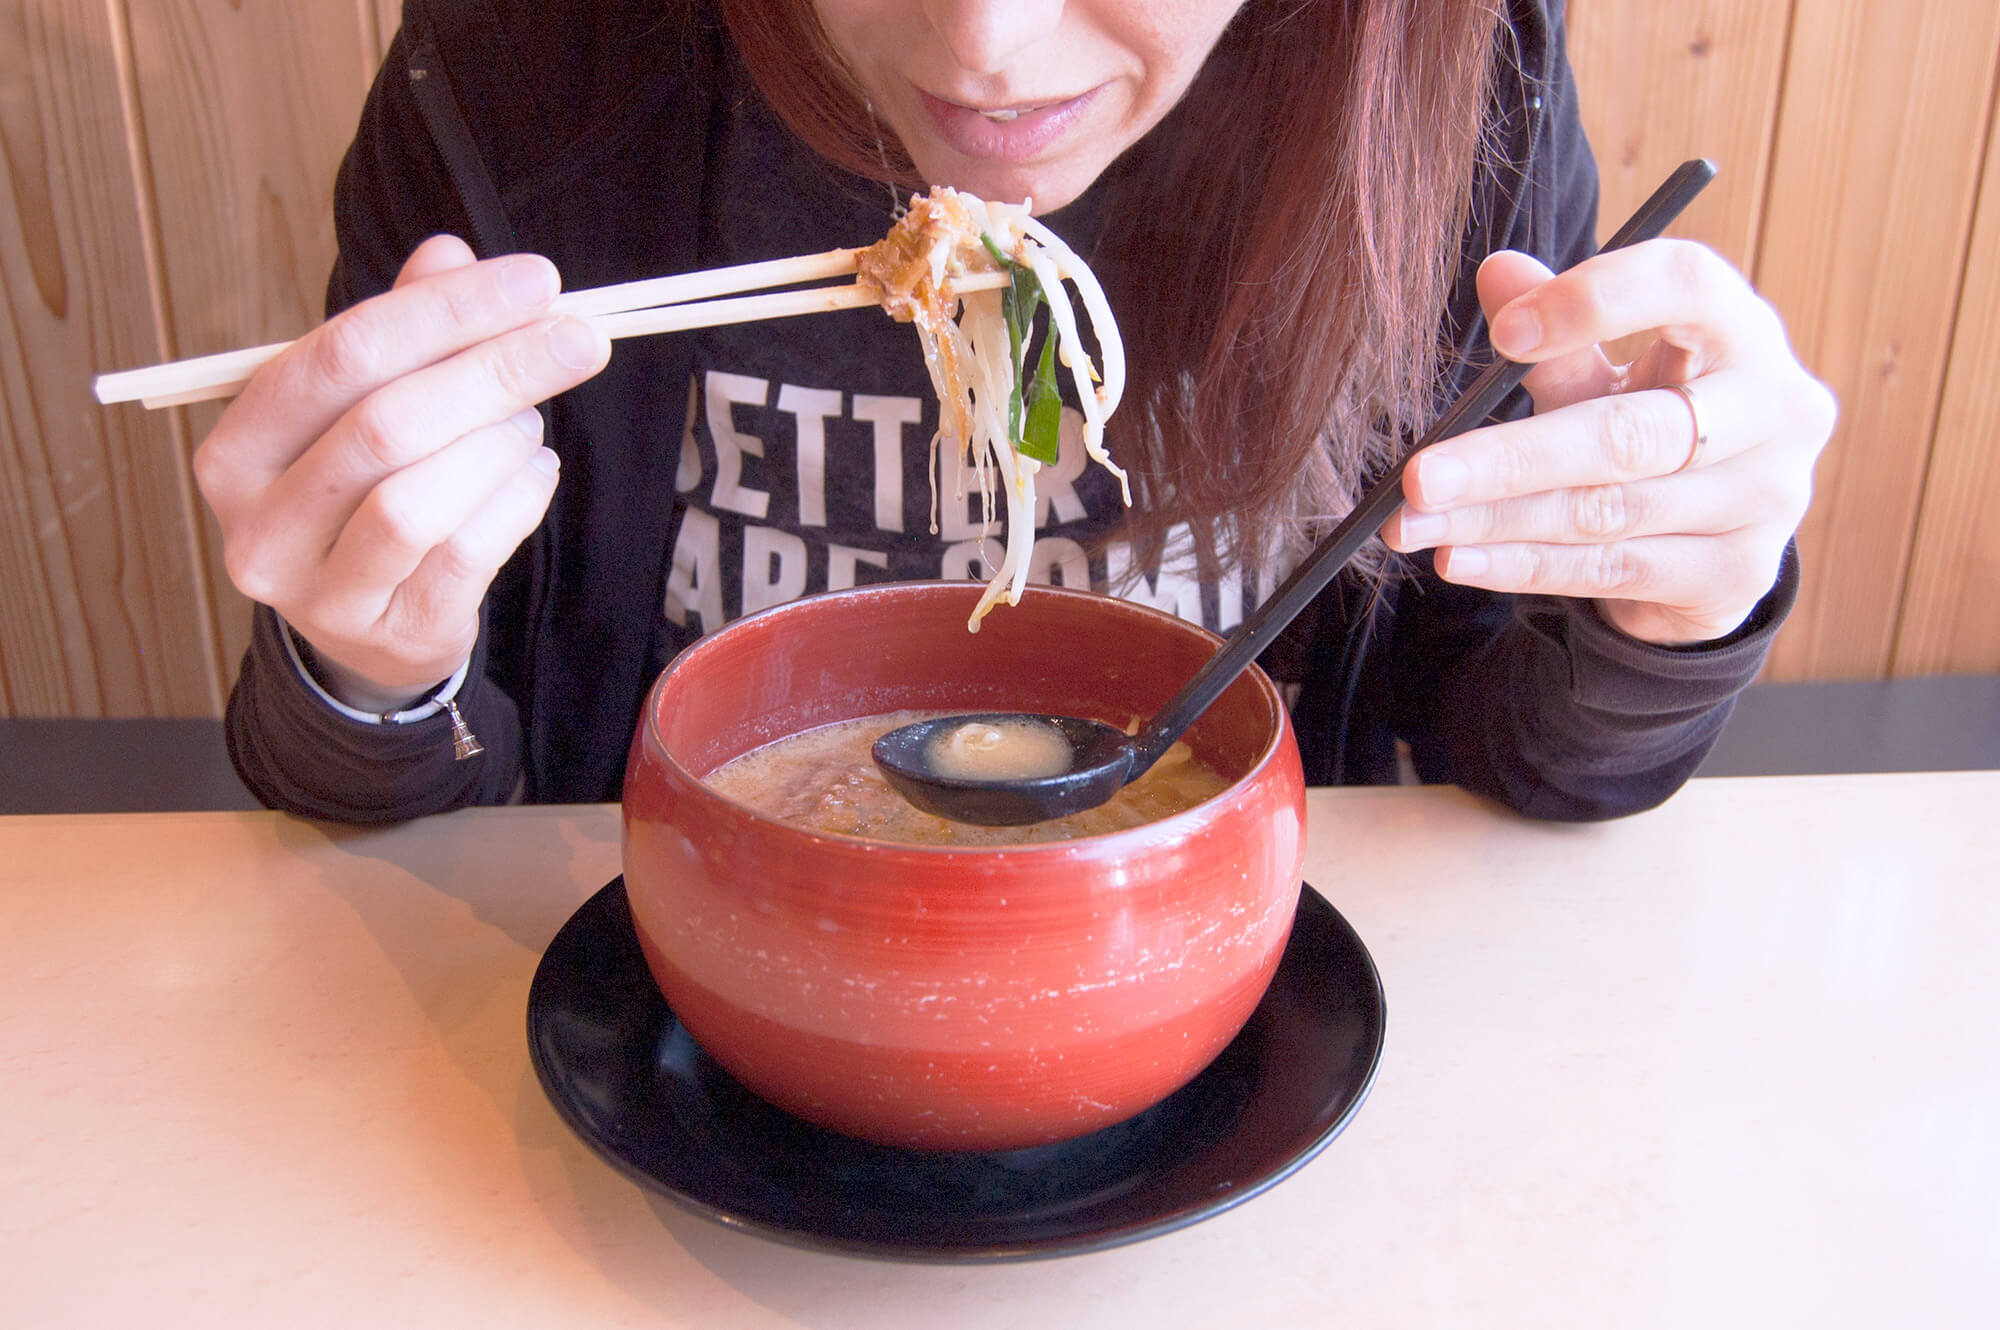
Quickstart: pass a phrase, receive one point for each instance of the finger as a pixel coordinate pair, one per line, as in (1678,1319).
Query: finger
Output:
(1604,440)
(1506,277)
(439,254)
(417,509)
(449,584)
(1683,290)
(1662,363)
(425,412)
(422,413)
(325,373)
(1693,574)
(1706,501)
(239,458)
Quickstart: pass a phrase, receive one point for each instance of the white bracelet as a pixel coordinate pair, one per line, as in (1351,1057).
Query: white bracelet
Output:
(442,698)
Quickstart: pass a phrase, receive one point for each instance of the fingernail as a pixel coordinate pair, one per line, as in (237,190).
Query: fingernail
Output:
(1442,478)
(1466,561)
(1421,529)
(529,280)
(545,461)
(528,421)
(1517,332)
(575,344)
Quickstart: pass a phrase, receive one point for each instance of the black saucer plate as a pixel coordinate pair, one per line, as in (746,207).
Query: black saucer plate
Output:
(630,1081)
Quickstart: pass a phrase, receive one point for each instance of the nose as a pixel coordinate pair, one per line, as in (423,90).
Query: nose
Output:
(985,35)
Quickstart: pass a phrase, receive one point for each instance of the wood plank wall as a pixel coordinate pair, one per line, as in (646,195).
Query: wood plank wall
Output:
(165,167)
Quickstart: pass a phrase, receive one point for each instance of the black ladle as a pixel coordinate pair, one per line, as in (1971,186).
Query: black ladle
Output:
(1102,759)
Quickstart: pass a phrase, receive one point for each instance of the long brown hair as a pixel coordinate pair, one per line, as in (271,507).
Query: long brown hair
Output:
(1278,251)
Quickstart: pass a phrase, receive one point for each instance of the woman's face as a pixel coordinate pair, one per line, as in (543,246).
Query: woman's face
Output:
(1022,99)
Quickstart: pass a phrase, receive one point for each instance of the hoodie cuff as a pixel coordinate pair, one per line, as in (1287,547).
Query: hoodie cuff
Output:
(1611,671)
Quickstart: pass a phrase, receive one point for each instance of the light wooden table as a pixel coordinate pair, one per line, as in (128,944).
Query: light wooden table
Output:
(1733,1062)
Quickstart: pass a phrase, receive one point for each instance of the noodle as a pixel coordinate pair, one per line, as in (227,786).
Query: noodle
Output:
(976,364)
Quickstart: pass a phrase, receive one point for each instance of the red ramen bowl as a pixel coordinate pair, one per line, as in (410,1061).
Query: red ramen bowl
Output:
(944,997)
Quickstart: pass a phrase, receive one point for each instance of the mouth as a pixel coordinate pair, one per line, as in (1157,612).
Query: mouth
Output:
(1009,114)
(1013,133)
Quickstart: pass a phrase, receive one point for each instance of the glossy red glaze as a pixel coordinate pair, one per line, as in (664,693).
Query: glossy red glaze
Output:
(953,998)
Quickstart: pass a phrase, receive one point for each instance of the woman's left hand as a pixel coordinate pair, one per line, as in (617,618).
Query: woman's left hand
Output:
(1672,514)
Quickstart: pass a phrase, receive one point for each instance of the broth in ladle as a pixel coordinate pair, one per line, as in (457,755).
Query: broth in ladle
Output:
(826,780)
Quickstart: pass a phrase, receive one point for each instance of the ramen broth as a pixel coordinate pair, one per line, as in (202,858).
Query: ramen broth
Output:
(826,780)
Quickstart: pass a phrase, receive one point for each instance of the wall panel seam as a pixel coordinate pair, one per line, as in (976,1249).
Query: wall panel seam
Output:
(1762,216)
(1987,165)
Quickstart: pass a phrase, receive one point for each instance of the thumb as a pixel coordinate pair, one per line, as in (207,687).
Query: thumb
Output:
(1506,276)
(1504,279)
(440,253)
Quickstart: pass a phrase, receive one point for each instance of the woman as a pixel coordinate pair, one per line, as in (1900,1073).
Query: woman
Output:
(1288,203)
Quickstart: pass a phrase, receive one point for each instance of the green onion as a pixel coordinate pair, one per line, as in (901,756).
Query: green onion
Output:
(1041,438)
(1037,435)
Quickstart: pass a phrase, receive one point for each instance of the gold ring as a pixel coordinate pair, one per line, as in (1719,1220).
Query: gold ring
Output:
(1686,392)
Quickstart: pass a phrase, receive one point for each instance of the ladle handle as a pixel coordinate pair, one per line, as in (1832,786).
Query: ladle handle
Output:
(1473,406)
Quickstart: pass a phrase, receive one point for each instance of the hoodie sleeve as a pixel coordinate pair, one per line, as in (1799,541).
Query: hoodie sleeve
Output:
(292,748)
(1538,702)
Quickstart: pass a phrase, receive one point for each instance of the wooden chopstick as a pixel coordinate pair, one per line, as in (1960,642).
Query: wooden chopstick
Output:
(626,309)
(683,287)
(778,305)
(199,378)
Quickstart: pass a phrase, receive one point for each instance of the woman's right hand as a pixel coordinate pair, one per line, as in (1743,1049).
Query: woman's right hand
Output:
(371,480)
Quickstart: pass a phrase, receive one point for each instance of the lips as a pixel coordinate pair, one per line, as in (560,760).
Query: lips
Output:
(1011,134)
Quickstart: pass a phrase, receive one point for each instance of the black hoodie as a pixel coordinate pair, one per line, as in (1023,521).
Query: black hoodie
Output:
(602,133)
